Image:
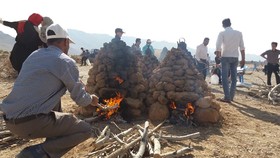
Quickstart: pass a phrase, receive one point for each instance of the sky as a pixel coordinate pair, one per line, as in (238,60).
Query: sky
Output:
(159,20)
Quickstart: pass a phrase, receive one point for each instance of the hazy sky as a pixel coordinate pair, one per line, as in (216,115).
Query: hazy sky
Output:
(167,20)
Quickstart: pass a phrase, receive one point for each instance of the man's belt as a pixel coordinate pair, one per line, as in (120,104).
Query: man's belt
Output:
(23,119)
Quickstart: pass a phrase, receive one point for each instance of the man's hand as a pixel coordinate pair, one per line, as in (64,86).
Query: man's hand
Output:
(94,101)
(242,63)
(218,53)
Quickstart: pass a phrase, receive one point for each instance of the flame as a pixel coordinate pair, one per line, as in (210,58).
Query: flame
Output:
(111,102)
(173,105)
(120,80)
(189,110)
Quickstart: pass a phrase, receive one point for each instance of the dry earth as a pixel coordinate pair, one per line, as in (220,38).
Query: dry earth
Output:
(250,128)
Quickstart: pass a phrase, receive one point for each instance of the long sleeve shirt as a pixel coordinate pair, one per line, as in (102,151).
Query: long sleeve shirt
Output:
(201,52)
(228,43)
(45,76)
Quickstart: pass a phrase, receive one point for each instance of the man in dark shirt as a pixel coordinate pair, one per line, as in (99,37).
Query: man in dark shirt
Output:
(27,39)
(119,32)
(272,57)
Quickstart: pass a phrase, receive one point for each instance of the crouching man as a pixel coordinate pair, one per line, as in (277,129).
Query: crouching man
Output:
(33,109)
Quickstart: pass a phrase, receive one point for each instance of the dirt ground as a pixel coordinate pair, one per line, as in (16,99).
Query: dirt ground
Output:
(250,128)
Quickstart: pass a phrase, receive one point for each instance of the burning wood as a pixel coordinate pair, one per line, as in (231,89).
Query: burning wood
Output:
(147,141)
(188,109)
(112,105)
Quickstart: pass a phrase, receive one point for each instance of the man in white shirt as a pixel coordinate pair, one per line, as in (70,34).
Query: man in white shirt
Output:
(227,46)
(202,58)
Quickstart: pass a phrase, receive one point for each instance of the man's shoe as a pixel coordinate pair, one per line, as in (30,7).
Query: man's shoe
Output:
(224,100)
(35,151)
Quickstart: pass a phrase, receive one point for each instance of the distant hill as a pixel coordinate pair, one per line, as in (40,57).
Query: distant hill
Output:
(96,41)
(6,41)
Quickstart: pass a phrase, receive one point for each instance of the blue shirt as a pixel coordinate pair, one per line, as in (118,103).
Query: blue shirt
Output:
(146,47)
(45,76)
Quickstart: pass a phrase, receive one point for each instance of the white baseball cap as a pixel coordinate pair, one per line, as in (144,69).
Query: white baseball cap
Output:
(57,32)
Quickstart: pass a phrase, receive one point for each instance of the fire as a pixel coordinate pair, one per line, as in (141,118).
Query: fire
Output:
(173,105)
(110,103)
(189,109)
(120,80)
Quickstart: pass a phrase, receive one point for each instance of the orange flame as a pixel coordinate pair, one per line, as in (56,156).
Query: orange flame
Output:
(111,102)
(173,105)
(120,80)
(189,109)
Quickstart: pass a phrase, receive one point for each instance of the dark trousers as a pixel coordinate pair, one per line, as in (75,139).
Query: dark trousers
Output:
(84,59)
(272,68)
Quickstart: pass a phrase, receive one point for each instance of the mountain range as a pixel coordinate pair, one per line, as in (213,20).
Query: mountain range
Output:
(96,41)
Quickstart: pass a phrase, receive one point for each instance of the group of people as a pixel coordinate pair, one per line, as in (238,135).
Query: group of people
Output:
(33,107)
(146,50)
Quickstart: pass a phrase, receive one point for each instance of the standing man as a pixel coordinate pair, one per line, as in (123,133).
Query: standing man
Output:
(30,110)
(272,57)
(148,48)
(27,39)
(202,58)
(231,40)
(136,46)
(118,35)
(83,55)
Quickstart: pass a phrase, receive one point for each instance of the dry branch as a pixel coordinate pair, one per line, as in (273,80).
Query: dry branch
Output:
(271,92)
(107,108)
(143,142)
(104,136)
(179,138)
(5,132)
(7,139)
(126,147)
(157,147)
(176,153)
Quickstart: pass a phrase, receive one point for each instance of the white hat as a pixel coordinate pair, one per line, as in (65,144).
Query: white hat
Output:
(58,31)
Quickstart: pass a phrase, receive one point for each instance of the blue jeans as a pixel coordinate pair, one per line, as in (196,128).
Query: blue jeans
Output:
(202,67)
(229,64)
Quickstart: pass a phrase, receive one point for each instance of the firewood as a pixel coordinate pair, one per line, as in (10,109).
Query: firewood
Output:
(108,148)
(150,148)
(270,94)
(143,142)
(6,139)
(107,108)
(179,138)
(157,147)
(177,153)
(104,136)
(5,132)
(126,147)
(118,139)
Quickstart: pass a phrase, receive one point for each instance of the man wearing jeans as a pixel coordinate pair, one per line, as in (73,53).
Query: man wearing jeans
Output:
(202,58)
(272,57)
(32,109)
(227,46)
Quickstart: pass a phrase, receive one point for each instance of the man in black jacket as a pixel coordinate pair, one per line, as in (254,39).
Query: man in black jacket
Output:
(27,39)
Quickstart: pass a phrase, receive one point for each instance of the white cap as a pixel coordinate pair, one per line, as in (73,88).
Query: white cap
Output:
(59,32)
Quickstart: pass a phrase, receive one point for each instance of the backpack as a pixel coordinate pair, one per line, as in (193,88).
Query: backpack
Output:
(148,51)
